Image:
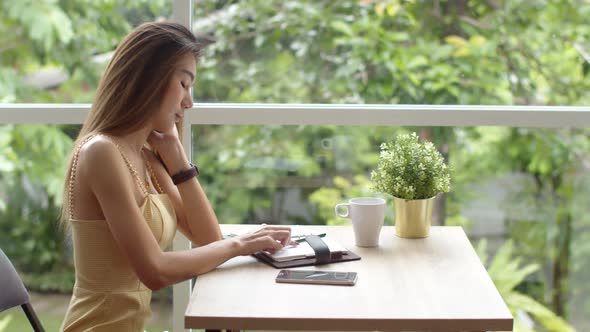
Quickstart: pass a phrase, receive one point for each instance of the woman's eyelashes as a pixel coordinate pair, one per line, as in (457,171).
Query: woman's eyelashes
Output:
(183,84)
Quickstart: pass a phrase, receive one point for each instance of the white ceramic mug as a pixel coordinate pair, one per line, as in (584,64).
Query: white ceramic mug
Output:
(367,215)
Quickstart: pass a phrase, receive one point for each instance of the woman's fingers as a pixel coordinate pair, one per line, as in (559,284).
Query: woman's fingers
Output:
(282,236)
(155,139)
(277,228)
(269,238)
(163,137)
(283,233)
(271,245)
(261,242)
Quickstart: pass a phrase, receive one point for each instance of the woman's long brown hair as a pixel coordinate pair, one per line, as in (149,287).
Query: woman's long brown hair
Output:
(134,82)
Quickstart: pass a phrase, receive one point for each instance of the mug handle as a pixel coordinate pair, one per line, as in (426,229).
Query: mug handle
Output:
(347,206)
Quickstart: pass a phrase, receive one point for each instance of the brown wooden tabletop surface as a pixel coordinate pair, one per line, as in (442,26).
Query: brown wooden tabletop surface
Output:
(432,284)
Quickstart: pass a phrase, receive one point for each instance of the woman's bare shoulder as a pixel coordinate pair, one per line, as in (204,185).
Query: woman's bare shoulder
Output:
(99,153)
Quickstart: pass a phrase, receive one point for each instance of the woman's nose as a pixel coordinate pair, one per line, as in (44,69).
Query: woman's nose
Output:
(187,101)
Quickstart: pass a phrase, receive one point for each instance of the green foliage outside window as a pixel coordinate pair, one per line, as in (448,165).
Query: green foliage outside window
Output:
(508,272)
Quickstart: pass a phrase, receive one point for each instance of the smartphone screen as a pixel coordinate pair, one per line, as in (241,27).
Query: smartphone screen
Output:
(317,277)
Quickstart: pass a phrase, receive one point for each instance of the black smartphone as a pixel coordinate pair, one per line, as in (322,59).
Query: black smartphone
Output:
(317,277)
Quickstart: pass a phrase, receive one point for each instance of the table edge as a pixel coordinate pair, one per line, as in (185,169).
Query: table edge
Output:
(349,324)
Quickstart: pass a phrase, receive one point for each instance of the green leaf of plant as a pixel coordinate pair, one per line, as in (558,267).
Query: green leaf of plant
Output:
(545,316)
(342,27)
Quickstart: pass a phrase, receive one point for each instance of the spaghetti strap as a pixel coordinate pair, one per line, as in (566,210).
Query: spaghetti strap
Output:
(74,167)
(132,169)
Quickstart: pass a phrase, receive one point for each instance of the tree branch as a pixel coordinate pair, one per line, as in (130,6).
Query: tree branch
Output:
(492,3)
(474,22)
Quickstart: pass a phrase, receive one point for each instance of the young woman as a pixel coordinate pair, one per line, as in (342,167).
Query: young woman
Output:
(130,185)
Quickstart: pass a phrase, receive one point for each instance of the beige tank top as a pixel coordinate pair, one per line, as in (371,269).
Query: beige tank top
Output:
(108,295)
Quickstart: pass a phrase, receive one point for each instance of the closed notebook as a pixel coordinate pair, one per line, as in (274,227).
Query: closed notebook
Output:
(304,250)
(304,255)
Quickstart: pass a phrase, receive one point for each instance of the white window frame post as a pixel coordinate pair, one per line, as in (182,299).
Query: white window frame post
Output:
(182,13)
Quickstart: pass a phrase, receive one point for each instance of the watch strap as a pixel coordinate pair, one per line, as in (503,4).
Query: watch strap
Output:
(185,175)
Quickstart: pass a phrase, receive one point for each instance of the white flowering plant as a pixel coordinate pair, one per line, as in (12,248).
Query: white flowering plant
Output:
(410,169)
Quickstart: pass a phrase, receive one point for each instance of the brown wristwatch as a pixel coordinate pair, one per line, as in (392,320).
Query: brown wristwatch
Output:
(185,175)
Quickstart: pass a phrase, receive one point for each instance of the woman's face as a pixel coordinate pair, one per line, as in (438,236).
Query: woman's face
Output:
(177,97)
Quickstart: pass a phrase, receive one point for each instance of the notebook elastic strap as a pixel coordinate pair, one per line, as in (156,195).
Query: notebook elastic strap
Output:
(322,252)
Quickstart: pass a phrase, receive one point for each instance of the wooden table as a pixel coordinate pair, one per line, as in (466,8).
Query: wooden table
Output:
(432,284)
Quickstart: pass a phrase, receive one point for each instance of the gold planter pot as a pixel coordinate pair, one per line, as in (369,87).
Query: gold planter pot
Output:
(413,217)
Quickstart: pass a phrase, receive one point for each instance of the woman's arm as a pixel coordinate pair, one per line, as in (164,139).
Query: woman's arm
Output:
(195,216)
(196,219)
(112,184)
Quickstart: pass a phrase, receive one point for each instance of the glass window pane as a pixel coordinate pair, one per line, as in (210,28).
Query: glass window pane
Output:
(514,52)
(56,51)
(527,187)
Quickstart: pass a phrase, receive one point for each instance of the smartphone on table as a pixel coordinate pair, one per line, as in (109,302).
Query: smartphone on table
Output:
(317,277)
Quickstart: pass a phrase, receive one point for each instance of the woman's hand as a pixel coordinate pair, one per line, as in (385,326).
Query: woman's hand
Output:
(167,144)
(268,238)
